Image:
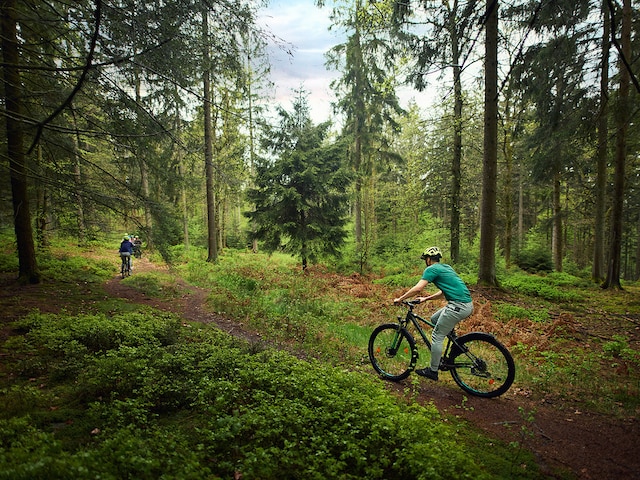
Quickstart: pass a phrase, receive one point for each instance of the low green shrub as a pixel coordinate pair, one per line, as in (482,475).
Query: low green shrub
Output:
(208,406)
(550,287)
(619,348)
(508,311)
(65,267)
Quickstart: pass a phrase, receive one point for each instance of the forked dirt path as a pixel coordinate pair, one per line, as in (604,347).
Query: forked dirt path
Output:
(560,434)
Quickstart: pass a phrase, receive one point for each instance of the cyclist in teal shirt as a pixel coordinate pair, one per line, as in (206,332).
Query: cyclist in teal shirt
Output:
(459,303)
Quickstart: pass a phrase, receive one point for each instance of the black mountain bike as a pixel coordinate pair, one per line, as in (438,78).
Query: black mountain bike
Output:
(478,362)
(125,268)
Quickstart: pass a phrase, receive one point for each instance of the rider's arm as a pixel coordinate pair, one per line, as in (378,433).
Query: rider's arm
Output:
(412,291)
(438,294)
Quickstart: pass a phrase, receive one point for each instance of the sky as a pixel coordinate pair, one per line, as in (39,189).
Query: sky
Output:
(304,26)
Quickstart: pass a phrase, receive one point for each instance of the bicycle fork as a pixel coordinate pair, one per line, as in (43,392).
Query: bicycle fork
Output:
(401,332)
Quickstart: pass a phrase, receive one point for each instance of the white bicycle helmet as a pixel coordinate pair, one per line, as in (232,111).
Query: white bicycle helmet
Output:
(431,252)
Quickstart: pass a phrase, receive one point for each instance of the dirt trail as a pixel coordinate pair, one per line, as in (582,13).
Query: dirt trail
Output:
(593,446)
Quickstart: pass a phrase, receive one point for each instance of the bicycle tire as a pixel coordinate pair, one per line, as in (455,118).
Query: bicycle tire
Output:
(391,363)
(481,365)
(125,269)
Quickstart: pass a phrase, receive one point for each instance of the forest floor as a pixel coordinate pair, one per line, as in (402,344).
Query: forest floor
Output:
(561,435)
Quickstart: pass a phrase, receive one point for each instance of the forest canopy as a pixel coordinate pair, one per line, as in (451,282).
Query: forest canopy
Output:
(150,118)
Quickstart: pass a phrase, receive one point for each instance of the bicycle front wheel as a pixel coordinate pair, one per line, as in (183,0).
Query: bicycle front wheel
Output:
(482,366)
(392,352)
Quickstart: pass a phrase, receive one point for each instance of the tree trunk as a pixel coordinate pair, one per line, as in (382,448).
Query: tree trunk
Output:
(637,270)
(358,132)
(507,194)
(456,170)
(556,239)
(144,171)
(28,267)
(42,208)
(597,271)
(252,150)
(212,227)
(520,208)
(183,184)
(622,122)
(487,268)
(79,197)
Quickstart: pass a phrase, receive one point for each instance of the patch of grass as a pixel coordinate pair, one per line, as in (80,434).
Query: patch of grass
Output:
(552,287)
(66,267)
(508,311)
(156,285)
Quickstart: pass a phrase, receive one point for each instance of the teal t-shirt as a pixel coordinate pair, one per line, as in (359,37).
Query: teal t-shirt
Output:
(447,280)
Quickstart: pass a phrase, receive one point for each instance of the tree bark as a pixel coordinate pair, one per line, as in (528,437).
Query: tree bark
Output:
(622,123)
(212,227)
(487,268)
(456,170)
(77,176)
(144,170)
(28,267)
(556,241)
(456,165)
(358,127)
(597,270)
(637,269)
(507,194)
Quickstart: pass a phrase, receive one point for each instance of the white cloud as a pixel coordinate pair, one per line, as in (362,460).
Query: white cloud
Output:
(305,29)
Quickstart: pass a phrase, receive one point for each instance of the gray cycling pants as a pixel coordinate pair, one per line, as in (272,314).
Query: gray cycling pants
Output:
(445,320)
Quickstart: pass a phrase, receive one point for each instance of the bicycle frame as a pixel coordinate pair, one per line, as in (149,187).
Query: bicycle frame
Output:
(126,264)
(477,361)
(415,319)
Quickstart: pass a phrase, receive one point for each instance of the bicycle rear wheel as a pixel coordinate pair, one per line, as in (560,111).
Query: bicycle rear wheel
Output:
(481,366)
(125,268)
(392,351)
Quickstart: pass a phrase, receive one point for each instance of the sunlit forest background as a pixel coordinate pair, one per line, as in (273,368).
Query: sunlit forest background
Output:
(154,118)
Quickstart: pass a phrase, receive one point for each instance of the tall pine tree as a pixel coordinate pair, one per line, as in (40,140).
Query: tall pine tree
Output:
(300,192)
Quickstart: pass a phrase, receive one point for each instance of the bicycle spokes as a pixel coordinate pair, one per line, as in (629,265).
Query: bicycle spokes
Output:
(392,351)
(483,367)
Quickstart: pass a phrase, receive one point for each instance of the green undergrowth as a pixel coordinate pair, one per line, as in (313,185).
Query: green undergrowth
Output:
(141,394)
(144,395)
(554,287)
(556,356)
(272,295)
(157,285)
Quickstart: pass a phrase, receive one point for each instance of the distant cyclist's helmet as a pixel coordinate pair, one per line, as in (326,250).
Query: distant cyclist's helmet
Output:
(431,252)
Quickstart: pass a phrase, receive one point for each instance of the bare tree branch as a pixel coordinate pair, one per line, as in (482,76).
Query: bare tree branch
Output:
(76,89)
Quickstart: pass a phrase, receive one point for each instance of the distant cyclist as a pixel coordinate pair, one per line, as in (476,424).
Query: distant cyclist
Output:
(459,304)
(137,246)
(126,250)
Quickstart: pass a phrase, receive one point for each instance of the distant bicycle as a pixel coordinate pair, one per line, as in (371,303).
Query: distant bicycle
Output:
(478,362)
(137,251)
(125,268)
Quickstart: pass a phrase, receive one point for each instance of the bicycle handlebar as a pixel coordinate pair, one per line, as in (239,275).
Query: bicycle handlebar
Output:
(410,303)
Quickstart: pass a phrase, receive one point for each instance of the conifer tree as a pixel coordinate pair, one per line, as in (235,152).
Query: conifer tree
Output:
(300,192)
